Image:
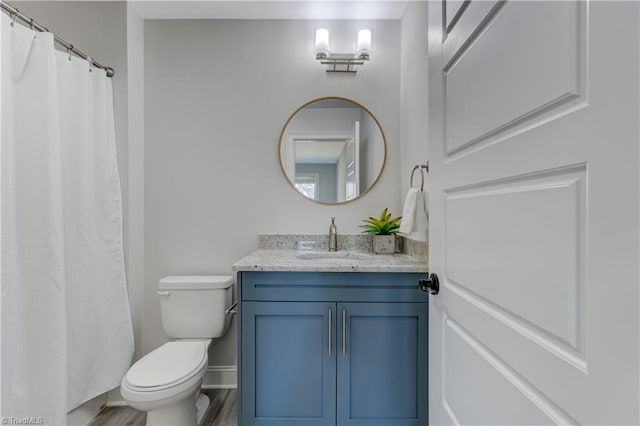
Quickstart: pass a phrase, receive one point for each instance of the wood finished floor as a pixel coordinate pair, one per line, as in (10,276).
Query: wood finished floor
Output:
(222,412)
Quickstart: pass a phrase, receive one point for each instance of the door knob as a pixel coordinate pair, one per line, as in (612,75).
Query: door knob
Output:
(431,284)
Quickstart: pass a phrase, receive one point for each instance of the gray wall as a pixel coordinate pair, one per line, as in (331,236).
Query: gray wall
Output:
(217,94)
(413,149)
(134,234)
(414,89)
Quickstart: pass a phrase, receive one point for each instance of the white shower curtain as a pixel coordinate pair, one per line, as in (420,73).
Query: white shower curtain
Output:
(66,325)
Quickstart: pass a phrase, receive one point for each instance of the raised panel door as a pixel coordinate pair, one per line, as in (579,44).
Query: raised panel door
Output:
(534,183)
(288,364)
(382,364)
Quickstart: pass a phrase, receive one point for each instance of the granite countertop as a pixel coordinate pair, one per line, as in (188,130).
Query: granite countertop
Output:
(324,261)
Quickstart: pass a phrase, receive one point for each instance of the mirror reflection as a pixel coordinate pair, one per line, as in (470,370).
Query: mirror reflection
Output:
(332,150)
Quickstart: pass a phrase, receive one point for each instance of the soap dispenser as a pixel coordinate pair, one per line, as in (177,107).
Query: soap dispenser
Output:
(333,235)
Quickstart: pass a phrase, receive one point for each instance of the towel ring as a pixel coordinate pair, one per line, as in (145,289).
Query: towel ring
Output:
(420,167)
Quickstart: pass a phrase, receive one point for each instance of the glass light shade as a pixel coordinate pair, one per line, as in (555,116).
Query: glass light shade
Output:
(322,42)
(364,43)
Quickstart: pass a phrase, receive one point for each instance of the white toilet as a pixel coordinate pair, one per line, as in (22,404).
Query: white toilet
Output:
(166,382)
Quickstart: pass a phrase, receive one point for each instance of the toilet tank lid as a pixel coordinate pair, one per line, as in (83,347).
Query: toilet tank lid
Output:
(195,282)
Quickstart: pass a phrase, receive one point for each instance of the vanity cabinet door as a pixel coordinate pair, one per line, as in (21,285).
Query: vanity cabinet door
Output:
(288,363)
(382,364)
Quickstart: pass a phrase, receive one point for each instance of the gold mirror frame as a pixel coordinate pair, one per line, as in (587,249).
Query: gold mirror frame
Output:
(358,104)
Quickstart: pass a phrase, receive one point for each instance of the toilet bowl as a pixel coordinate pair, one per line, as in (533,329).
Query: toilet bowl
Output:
(166,382)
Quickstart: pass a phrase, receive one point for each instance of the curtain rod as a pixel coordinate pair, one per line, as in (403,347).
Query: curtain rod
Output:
(14,13)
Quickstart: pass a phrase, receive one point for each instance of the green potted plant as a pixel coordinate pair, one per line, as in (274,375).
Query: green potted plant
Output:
(384,230)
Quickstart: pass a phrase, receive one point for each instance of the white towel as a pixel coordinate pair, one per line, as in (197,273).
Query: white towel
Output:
(415,216)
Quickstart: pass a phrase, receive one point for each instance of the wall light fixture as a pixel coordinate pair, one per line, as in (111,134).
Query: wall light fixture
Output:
(342,62)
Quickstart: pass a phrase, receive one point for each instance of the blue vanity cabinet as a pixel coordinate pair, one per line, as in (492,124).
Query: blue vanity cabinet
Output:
(382,364)
(332,348)
(288,374)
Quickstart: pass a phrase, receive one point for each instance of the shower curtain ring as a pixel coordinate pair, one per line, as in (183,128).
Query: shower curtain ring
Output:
(14,16)
(31,24)
(69,49)
(90,59)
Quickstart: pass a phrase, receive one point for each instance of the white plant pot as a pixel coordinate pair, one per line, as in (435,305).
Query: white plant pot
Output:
(384,244)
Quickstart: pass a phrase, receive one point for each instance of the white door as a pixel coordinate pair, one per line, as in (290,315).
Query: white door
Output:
(533,117)
(353,158)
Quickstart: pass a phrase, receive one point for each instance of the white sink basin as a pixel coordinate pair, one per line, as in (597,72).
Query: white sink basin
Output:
(333,255)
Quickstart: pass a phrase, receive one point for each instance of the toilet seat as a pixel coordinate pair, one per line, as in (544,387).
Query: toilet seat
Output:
(168,366)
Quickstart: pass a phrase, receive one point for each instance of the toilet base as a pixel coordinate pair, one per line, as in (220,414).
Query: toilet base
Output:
(178,413)
(202,406)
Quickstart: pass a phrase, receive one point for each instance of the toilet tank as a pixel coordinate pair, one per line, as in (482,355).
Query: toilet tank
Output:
(193,306)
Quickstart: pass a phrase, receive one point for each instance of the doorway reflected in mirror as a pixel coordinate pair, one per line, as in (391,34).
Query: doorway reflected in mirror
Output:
(332,150)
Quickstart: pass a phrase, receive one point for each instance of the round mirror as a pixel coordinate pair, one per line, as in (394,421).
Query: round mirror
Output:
(332,150)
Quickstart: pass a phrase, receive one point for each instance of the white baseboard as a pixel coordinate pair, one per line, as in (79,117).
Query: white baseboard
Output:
(117,403)
(216,377)
(221,377)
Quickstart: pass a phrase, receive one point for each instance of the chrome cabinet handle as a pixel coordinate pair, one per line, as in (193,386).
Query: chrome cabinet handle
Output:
(344,331)
(330,314)
(164,293)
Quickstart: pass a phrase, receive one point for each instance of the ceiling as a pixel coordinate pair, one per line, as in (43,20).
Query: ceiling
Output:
(262,9)
(319,152)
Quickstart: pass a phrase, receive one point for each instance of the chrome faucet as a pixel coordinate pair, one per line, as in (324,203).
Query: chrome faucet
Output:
(333,235)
